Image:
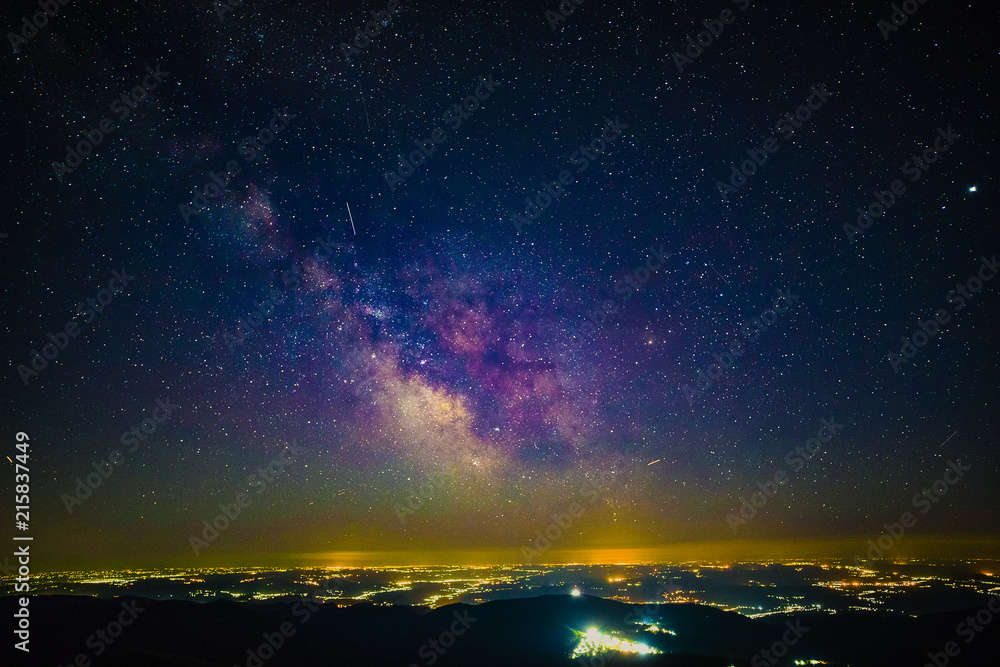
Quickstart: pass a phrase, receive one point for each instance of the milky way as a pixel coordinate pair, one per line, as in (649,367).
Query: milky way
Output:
(557,268)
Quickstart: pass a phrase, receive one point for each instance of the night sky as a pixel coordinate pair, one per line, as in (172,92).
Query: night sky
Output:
(443,371)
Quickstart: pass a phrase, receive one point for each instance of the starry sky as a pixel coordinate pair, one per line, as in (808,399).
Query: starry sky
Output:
(448,372)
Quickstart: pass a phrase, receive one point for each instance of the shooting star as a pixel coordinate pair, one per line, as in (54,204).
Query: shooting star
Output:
(949,438)
(361,90)
(652,462)
(351,217)
(685,13)
(718,274)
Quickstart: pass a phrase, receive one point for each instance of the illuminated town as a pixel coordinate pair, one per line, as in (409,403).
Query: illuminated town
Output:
(753,590)
(757,591)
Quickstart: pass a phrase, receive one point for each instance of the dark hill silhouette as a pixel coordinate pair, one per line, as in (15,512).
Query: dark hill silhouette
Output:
(530,631)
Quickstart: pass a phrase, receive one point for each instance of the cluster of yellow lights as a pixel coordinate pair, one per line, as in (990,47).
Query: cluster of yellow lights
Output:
(653,627)
(594,642)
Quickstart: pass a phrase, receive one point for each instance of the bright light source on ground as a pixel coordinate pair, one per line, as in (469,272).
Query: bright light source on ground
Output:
(653,627)
(594,642)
